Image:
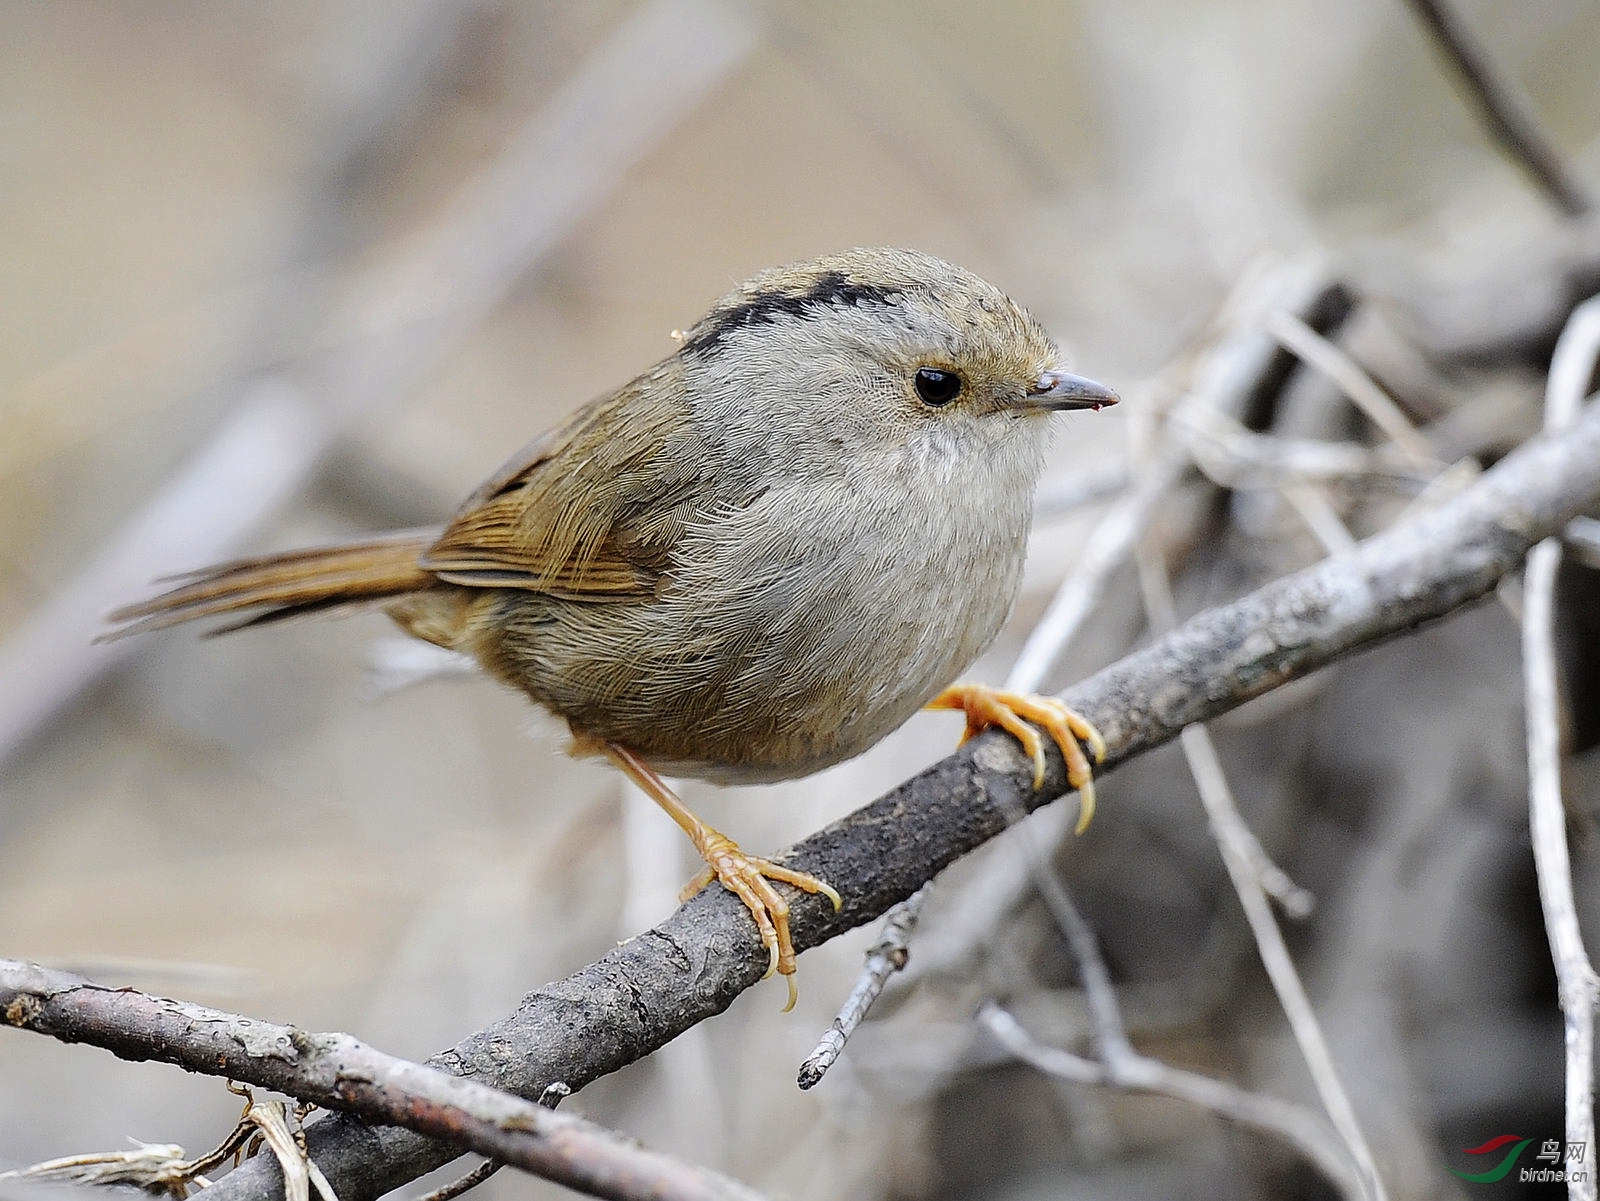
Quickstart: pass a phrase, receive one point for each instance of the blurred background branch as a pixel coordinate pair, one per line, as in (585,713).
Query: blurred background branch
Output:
(402,318)
(1507,114)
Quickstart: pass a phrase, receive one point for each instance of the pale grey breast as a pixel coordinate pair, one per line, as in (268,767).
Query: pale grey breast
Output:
(793,631)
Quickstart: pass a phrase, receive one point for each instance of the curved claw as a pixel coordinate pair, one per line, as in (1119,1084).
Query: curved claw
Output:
(1012,712)
(750,877)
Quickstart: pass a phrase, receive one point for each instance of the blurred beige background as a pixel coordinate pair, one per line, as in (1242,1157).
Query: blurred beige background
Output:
(197,198)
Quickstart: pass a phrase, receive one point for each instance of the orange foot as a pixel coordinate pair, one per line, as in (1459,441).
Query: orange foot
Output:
(1012,711)
(748,877)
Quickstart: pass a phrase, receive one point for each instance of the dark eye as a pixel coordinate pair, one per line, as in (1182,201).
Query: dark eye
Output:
(937,387)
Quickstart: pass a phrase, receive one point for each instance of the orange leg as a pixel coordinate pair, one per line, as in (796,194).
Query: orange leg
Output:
(1012,711)
(746,876)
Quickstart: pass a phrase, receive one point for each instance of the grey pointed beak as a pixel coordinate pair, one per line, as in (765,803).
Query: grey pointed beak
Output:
(1057,390)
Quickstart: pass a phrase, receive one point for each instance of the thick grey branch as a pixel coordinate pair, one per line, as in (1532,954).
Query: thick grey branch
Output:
(653,987)
(338,1071)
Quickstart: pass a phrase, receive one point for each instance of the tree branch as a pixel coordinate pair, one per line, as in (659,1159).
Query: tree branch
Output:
(1576,983)
(1296,1125)
(1508,116)
(1240,855)
(692,966)
(338,1071)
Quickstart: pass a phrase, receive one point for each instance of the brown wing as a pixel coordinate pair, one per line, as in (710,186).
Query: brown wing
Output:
(590,510)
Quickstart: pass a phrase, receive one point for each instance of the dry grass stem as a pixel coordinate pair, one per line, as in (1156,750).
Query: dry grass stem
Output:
(163,1168)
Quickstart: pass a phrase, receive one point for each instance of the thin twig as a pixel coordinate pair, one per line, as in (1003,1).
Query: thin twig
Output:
(1100,995)
(1294,1124)
(466,1183)
(1242,854)
(650,989)
(550,1098)
(1570,372)
(1363,391)
(338,1072)
(1234,457)
(1108,549)
(1508,115)
(884,958)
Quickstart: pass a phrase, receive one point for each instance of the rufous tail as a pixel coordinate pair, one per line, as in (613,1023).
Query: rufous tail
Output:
(289,584)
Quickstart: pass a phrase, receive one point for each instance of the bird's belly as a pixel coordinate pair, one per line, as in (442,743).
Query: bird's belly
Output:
(747,675)
(768,704)
(804,697)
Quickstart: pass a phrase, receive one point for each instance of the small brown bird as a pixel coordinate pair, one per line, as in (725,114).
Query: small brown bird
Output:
(754,560)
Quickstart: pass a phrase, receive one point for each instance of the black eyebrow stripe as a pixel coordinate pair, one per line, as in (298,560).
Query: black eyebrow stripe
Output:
(764,308)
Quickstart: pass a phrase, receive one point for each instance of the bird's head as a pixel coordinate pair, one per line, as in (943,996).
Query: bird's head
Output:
(878,350)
